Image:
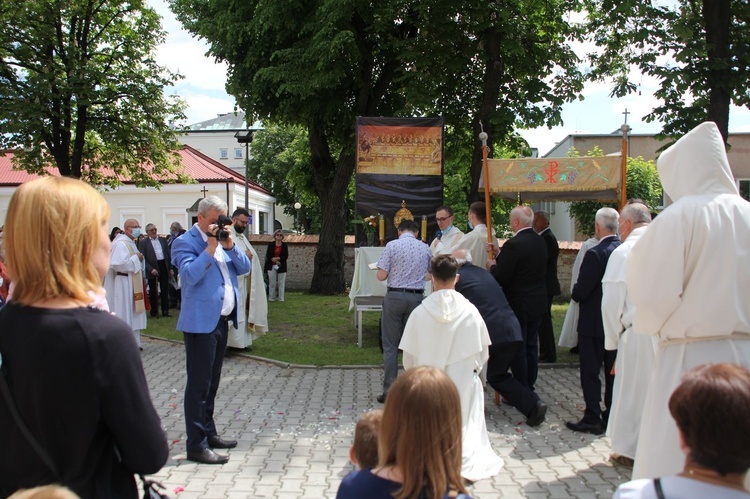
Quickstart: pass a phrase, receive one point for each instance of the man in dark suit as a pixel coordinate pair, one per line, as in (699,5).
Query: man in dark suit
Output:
(587,291)
(210,293)
(521,268)
(547,343)
(483,291)
(175,231)
(156,254)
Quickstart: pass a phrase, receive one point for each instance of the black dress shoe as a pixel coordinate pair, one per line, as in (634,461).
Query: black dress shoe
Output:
(584,427)
(381,398)
(206,456)
(537,414)
(216,442)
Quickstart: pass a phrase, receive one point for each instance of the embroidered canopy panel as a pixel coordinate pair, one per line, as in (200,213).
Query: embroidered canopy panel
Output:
(555,179)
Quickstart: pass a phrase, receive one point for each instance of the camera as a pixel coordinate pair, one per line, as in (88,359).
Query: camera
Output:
(222,234)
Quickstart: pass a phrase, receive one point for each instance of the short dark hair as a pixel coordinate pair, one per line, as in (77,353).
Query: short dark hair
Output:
(408,225)
(479,209)
(240,211)
(711,408)
(446,209)
(444,267)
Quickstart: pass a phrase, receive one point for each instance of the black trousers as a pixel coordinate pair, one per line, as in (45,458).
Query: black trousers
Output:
(154,292)
(593,355)
(503,382)
(547,346)
(204,356)
(525,365)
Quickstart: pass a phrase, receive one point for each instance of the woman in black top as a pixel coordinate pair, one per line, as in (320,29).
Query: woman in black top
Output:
(74,371)
(276,256)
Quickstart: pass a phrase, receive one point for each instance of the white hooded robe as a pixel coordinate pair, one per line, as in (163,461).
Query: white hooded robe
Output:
(688,278)
(635,352)
(446,331)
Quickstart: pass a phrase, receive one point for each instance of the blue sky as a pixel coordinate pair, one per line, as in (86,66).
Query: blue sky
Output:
(203,90)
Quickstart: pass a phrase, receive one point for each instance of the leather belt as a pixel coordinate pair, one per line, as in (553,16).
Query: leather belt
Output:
(123,274)
(407,290)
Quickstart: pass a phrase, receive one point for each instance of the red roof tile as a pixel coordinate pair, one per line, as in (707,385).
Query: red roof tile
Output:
(196,165)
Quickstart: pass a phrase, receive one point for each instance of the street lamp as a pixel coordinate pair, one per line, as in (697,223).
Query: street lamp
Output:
(245,137)
(297,206)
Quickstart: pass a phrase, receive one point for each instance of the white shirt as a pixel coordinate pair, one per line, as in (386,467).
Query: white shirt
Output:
(157,247)
(228,303)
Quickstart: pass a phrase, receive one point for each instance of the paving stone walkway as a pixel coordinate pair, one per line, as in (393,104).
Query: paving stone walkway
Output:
(295,426)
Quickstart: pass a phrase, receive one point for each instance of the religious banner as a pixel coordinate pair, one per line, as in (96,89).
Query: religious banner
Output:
(555,179)
(399,174)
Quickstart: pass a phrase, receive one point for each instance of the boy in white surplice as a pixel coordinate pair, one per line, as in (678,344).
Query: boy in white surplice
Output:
(446,331)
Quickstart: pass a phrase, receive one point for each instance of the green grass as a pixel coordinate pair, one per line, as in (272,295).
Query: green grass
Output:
(319,330)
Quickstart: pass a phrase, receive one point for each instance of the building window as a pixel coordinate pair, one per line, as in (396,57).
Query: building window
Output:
(262,218)
(744,185)
(224,153)
(238,153)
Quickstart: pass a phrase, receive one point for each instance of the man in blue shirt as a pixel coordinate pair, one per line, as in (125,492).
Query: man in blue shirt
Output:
(404,264)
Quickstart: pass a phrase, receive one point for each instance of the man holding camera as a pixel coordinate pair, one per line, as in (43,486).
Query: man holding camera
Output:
(209,263)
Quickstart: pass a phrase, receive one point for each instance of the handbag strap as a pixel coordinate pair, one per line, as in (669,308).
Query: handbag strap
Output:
(659,490)
(25,429)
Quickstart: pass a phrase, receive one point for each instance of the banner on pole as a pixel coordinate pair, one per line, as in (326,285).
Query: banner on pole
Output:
(399,162)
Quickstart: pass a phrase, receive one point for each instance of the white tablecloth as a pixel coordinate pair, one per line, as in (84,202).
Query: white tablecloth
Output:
(365,280)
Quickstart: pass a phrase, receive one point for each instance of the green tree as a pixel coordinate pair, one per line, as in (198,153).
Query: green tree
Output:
(496,67)
(316,64)
(80,90)
(280,162)
(321,63)
(699,51)
(642,183)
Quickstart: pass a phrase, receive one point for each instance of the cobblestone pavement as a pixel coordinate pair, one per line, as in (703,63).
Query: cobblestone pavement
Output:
(295,426)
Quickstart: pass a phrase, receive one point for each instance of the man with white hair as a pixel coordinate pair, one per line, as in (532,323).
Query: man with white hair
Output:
(521,269)
(688,278)
(635,352)
(483,291)
(588,293)
(209,267)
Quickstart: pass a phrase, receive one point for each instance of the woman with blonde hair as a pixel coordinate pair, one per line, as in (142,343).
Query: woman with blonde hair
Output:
(73,372)
(419,442)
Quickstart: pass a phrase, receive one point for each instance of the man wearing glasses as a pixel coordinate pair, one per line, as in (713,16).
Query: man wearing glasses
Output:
(124,281)
(156,254)
(448,236)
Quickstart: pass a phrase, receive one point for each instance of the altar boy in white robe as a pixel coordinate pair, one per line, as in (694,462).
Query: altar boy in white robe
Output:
(252,314)
(446,331)
(635,352)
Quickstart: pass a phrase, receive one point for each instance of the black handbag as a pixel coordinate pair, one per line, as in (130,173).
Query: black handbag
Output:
(150,487)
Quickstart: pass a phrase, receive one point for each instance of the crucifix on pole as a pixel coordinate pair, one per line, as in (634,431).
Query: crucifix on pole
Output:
(625,128)
(204,191)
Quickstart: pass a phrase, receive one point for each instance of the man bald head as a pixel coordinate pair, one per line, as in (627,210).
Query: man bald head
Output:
(633,216)
(521,217)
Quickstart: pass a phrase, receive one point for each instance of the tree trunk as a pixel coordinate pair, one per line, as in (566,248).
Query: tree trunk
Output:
(717,16)
(488,106)
(331,180)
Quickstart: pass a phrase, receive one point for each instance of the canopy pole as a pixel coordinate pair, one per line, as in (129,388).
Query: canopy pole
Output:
(625,128)
(487,202)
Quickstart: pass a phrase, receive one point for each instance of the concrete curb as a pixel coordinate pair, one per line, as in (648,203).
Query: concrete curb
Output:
(287,365)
